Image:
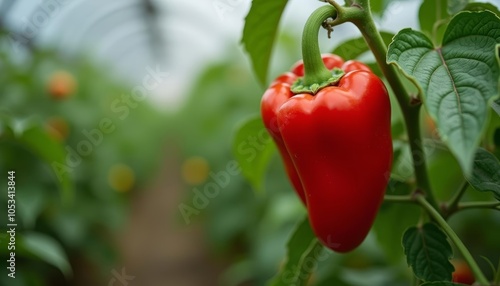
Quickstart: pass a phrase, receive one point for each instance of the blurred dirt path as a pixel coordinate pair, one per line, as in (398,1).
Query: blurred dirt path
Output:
(156,247)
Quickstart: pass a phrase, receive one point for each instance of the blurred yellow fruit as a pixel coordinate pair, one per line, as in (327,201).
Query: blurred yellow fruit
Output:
(195,170)
(61,85)
(121,178)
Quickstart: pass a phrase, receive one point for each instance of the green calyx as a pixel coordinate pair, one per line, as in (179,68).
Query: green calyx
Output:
(299,86)
(316,75)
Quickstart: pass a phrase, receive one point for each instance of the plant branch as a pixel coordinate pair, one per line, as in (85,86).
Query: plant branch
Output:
(458,195)
(452,205)
(478,205)
(478,274)
(399,199)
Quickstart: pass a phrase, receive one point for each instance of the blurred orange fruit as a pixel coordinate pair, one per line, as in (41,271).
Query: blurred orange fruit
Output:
(61,85)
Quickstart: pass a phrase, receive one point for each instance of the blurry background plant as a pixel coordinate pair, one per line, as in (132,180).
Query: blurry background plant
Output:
(58,84)
(67,209)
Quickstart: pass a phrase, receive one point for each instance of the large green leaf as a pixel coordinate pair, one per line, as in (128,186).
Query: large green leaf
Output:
(428,253)
(354,48)
(47,249)
(253,149)
(486,174)
(303,252)
(259,33)
(457,80)
(433,17)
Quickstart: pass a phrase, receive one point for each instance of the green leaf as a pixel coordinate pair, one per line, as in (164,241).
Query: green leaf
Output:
(354,48)
(487,260)
(457,80)
(33,137)
(47,249)
(442,283)
(259,33)
(253,148)
(433,18)
(301,248)
(31,202)
(428,253)
(479,6)
(486,174)
(49,150)
(455,6)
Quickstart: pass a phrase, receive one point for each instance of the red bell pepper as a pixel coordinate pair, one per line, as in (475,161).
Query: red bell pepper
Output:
(336,146)
(331,122)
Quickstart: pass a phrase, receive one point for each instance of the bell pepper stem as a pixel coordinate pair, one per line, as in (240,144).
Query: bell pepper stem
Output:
(314,68)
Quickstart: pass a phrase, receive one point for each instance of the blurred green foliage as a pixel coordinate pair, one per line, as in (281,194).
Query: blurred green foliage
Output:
(69,214)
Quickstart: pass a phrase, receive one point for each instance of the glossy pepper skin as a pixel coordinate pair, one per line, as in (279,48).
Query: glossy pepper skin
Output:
(339,144)
(277,94)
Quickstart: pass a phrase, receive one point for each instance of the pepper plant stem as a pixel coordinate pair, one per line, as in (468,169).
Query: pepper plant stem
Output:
(452,205)
(411,113)
(454,238)
(478,205)
(399,199)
